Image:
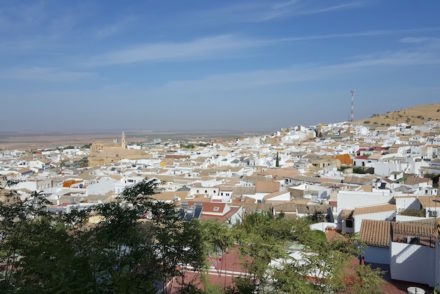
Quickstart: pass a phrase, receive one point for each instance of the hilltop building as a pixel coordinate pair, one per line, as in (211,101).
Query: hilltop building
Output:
(102,153)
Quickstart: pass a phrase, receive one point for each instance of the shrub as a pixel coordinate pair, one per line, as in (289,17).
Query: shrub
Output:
(363,170)
(413,212)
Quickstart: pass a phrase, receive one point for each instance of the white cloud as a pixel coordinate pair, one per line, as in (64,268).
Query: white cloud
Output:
(344,6)
(44,74)
(372,33)
(177,51)
(301,73)
(216,47)
(417,40)
(262,11)
(115,28)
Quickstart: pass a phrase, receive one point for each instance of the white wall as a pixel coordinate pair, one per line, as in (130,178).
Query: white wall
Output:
(412,263)
(237,217)
(322,226)
(406,218)
(257,196)
(283,197)
(353,199)
(386,215)
(407,203)
(104,186)
(209,192)
(31,186)
(385,169)
(377,255)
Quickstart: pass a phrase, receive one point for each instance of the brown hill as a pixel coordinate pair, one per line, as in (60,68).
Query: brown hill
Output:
(416,115)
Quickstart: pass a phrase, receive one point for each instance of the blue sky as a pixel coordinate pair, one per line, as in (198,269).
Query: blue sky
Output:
(212,65)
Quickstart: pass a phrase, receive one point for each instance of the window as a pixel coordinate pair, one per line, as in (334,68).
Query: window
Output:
(216,208)
(349,223)
(197,191)
(206,191)
(413,240)
(221,194)
(432,213)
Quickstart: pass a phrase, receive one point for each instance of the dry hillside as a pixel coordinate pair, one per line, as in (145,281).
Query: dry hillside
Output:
(416,115)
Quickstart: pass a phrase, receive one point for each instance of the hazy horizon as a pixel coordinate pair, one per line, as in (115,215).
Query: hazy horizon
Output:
(242,66)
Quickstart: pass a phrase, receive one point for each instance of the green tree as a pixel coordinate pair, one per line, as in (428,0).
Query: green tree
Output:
(217,239)
(43,252)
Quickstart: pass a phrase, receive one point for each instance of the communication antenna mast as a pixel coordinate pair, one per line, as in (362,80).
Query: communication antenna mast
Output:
(352,110)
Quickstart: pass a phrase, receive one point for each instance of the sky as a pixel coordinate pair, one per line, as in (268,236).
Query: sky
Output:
(201,65)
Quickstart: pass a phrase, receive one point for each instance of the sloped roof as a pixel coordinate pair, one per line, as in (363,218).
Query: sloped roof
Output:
(416,229)
(221,218)
(312,208)
(170,196)
(374,209)
(346,213)
(414,180)
(210,207)
(238,191)
(255,207)
(267,187)
(358,180)
(345,159)
(269,197)
(427,201)
(375,233)
(289,172)
(287,207)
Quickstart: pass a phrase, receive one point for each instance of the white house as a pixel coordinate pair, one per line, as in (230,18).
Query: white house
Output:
(415,254)
(353,199)
(376,212)
(101,187)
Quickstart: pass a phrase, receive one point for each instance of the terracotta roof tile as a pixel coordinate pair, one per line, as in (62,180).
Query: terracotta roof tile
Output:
(267,187)
(416,229)
(427,201)
(374,209)
(375,233)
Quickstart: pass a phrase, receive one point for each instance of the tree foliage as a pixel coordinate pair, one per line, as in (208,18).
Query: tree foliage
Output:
(43,252)
(140,245)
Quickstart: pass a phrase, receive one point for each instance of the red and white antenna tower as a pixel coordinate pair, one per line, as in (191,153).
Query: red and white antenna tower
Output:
(352,109)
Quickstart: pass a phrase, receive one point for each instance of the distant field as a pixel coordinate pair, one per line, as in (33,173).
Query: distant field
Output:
(414,115)
(11,141)
(46,141)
